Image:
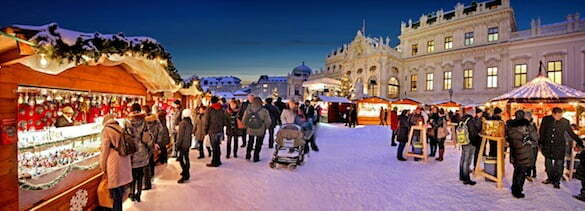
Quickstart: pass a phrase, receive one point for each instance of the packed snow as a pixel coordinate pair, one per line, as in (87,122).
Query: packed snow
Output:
(355,169)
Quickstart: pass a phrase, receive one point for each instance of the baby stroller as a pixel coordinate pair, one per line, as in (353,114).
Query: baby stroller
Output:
(290,147)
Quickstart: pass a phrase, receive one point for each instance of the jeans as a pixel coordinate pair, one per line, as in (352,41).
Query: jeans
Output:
(467,152)
(136,185)
(433,145)
(183,158)
(257,147)
(532,170)
(231,139)
(215,140)
(554,170)
(393,139)
(201,153)
(400,149)
(270,137)
(117,195)
(518,178)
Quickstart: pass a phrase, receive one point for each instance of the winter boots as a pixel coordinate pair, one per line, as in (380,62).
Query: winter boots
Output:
(441,152)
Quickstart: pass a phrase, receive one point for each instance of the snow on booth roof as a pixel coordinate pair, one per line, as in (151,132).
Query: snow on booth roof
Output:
(144,56)
(542,89)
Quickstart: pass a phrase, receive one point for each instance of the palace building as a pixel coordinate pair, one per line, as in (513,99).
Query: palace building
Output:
(476,51)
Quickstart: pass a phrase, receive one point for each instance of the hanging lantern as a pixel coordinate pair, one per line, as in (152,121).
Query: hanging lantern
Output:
(43,61)
(20,99)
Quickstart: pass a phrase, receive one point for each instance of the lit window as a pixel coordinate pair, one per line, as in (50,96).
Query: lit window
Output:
(264,85)
(554,71)
(393,88)
(429,82)
(520,74)
(430,46)
(469,38)
(493,34)
(468,79)
(414,49)
(448,42)
(447,77)
(413,79)
(492,77)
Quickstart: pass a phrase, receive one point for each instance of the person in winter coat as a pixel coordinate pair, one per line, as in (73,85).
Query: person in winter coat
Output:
(175,120)
(215,121)
(116,168)
(394,125)
(532,169)
(256,119)
(289,113)
(184,136)
(144,144)
(281,106)
(66,119)
(308,110)
(416,118)
(352,117)
(580,170)
(441,133)
(474,126)
(402,133)
(199,130)
(232,130)
(435,122)
(154,127)
(274,115)
(552,143)
(243,108)
(165,137)
(520,136)
(467,151)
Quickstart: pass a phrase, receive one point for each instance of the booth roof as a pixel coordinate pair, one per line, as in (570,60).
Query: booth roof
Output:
(323,81)
(446,103)
(542,89)
(333,99)
(406,101)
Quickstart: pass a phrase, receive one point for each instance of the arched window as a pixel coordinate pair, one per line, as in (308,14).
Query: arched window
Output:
(393,88)
(359,71)
(348,73)
(372,86)
(372,68)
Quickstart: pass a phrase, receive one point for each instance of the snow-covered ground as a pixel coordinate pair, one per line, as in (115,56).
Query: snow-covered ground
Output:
(356,169)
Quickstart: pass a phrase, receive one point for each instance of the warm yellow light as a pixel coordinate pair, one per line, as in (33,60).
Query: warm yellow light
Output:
(43,61)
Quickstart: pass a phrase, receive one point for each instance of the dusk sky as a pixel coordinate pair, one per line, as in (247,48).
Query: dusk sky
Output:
(250,38)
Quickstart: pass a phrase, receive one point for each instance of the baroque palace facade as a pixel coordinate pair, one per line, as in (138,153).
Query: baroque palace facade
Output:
(474,50)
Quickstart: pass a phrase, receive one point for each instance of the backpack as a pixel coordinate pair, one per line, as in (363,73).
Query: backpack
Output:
(253,120)
(126,146)
(462,133)
(146,137)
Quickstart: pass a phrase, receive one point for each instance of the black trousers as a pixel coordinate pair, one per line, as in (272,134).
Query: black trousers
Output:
(215,140)
(519,178)
(393,139)
(164,154)
(230,140)
(149,172)
(554,170)
(255,142)
(138,179)
(271,137)
(400,149)
(117,195)
(433,143)
(201,153)
(183,158)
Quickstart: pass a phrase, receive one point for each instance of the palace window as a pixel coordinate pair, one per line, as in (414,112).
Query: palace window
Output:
(554,71)
(447,77)
(468,79)
(492,77)
(448,42)
(493,34)
(468,38)
(429,81)
(520,74)
(414,49)
(430,46)
(393,88)
(413,79)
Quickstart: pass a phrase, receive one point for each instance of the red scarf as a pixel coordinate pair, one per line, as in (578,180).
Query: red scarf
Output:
(216,106)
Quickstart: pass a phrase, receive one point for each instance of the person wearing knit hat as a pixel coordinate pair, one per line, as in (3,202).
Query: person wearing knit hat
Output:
(66,119)
(154,127)
(183,144)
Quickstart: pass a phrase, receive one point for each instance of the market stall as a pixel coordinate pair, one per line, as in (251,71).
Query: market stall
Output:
(405,104)
(368,110)
(448,105)
(333,108)
(55,87)
(320,87)
(541,95)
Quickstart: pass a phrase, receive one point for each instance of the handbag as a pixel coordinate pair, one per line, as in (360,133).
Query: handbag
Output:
(104,197)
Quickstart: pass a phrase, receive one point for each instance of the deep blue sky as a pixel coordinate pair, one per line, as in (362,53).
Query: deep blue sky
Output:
(248,38)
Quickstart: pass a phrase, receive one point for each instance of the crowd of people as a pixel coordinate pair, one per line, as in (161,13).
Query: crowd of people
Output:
(525,140)
(132,148)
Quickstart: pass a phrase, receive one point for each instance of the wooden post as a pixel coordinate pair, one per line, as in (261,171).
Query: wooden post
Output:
(422,138)
(500,170)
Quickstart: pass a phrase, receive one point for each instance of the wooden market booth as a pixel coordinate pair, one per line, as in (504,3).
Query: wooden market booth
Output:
(332,108)
(405,104)
(44,69)
(368,110)
(448,105)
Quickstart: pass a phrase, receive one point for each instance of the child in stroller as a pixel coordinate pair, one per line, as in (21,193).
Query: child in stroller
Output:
(290,147)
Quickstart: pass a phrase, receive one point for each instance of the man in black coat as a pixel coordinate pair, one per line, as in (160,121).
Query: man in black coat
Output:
(521,137)
(274,117)
(553,144)
(474,126)
(308,110)
(281,106)
(241,115)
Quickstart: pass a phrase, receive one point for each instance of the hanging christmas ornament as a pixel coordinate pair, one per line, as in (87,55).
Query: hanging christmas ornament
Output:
(20,99)
(26,97)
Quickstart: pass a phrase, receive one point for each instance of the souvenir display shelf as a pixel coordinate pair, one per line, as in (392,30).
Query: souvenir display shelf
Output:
(53,158)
